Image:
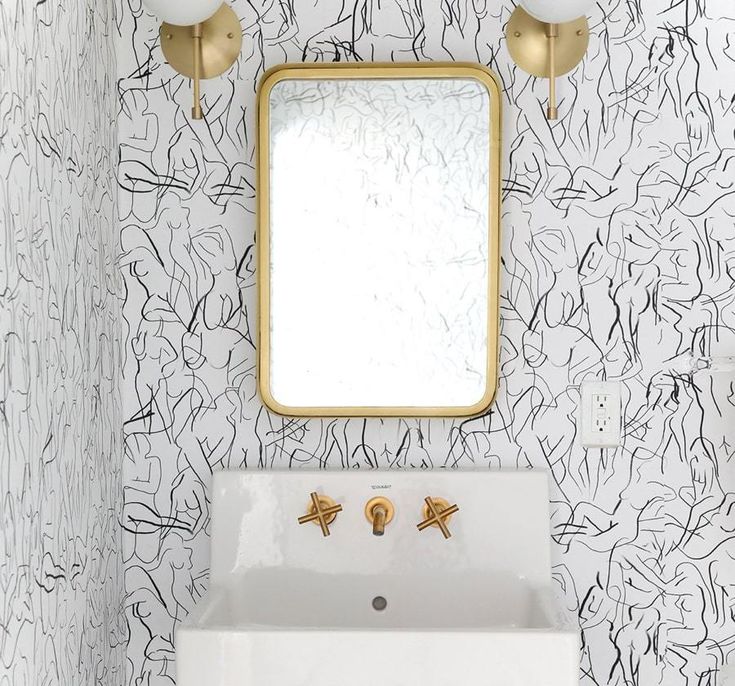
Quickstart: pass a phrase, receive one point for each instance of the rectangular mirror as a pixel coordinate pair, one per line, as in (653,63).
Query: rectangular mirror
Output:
(378,239)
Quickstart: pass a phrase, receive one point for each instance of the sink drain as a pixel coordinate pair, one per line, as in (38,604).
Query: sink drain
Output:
(379,603)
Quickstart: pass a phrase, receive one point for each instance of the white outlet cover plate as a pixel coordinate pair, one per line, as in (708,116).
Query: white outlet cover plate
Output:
(600,414)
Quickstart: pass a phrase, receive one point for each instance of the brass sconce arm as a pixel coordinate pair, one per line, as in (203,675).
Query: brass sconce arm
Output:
(203,50)
(546,50)
(196,32)
(552,33)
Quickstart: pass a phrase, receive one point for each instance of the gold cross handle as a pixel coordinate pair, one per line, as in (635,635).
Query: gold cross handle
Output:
(322,510)
(437,512)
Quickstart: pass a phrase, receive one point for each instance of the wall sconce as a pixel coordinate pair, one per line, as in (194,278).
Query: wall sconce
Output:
(200,39)
(548,38)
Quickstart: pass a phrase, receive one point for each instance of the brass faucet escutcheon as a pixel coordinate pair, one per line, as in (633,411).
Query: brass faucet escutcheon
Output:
(379,512)
(437,512)
(322,510)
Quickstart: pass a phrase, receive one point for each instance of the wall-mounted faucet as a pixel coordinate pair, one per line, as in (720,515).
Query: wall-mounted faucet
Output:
(379,511)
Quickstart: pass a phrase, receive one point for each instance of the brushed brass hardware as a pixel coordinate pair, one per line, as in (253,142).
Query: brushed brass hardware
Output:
(379,511)
(437,512)
(546,50)
(552,33)
(196,32)
(204,50)
(322,510)
(378,521)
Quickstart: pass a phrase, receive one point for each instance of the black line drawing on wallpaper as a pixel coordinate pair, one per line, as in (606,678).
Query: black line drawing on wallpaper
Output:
(618,256)
(61,349)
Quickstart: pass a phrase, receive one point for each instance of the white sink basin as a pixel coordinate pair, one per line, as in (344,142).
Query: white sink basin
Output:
(288,606)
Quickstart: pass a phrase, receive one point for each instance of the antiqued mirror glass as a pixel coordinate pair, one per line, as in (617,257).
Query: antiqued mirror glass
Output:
(378,240)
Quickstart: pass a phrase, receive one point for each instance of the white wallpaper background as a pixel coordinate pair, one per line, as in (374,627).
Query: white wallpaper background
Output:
(618,260)
(61,576)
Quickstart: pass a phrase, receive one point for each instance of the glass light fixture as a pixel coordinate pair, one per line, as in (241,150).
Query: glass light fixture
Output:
(183,12)
(200,39)
(557,11)
(548,38)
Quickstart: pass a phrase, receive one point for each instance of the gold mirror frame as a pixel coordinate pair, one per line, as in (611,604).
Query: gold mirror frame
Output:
(431,70)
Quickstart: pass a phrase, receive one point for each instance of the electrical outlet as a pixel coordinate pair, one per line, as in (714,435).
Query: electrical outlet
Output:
(600,414)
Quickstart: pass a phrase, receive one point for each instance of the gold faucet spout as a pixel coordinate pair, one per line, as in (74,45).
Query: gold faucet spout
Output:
(379,515)
(379,512)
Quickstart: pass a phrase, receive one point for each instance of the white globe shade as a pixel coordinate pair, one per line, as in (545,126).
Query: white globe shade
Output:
(183,12)
(556,11)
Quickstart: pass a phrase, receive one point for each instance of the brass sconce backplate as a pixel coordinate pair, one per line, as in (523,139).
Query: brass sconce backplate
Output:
(221,41)
(528,44)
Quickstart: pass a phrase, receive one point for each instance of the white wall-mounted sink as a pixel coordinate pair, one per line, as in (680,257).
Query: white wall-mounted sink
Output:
(288,606)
